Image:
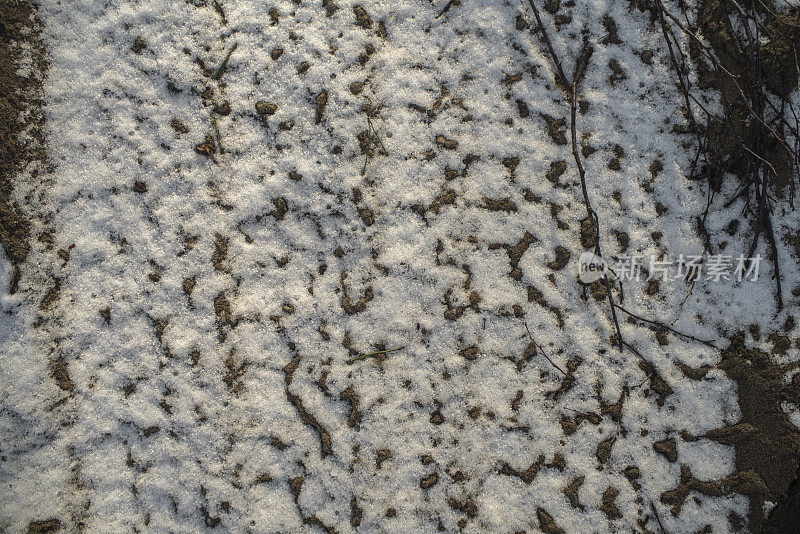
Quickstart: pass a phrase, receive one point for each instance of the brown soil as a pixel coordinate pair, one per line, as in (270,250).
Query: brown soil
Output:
(766,443)
(17,94)
(772,451)
(769,444)
(770,72)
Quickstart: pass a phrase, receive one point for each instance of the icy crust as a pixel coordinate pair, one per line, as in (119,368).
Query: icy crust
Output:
(209,306)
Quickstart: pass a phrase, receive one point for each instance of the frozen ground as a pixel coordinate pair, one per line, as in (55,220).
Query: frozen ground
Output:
(176,357)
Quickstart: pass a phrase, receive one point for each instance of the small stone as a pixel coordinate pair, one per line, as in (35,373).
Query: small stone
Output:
(667,447)
(429,481)
(179,126)
(444,142)
(363,19)
(330,8)
(470,353)
(265,108)
(557,168)
(382,456)
(603,451)
(274,16)
(139,45)
(207,147)
(357,88)
(223,109)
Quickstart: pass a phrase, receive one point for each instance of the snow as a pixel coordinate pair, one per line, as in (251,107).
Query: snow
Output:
(150,441)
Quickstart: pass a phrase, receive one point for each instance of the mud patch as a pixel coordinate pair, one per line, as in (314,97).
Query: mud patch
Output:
(766,443)
(773,449)
(306,416)
(18,94)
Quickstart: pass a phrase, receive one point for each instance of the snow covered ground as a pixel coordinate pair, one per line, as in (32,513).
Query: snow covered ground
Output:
(200,310)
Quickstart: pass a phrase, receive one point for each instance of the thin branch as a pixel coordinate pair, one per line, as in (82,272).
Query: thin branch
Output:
(372,354)
(447,8)
(665,327)
(571,89)
(709,54)
(655,512)
(684,85)
(540,349)
(580,70)
(561,78)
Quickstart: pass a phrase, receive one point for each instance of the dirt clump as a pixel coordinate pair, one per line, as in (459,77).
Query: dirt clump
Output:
(18,94)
